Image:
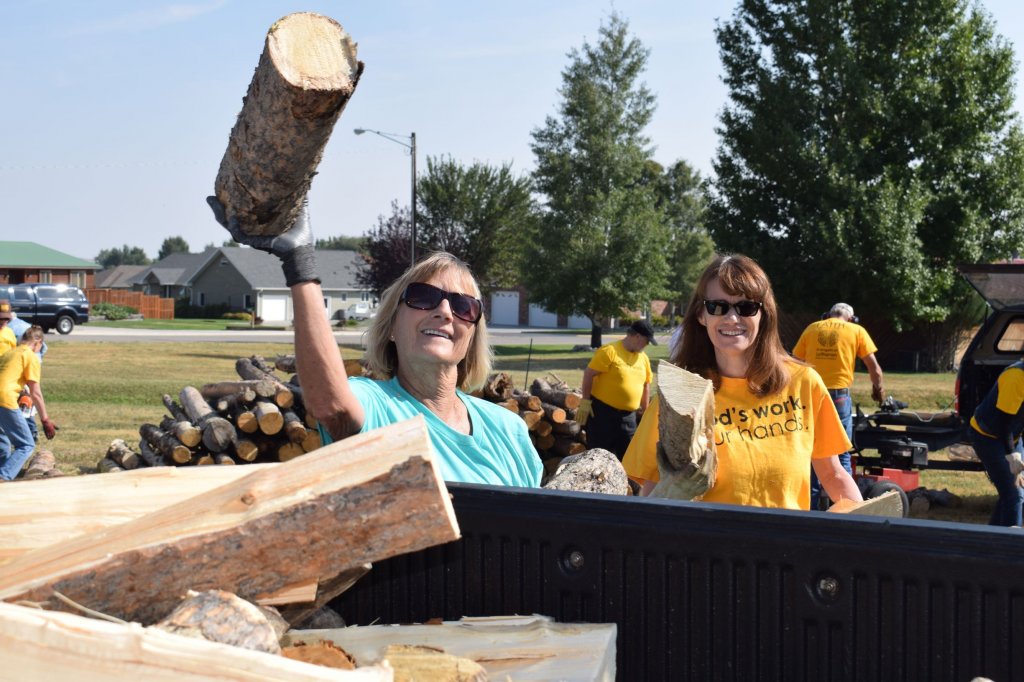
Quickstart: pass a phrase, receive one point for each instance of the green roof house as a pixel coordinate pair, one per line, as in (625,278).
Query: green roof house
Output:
(28,262)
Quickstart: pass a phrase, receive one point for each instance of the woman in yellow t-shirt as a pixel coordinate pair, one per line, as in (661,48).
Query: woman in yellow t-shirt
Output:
(773,414)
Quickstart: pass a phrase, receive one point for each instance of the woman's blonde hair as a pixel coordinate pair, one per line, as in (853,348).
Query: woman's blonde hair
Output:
(739,276)
(381,355)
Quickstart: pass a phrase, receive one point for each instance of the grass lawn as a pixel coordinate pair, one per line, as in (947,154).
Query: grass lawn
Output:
(100,391)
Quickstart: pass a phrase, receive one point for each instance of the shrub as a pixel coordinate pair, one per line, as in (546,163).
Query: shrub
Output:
(237,315)
(626,320)
(659,320)
(112,311)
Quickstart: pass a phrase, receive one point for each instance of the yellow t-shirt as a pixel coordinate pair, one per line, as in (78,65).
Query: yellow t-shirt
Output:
(622,376)
(764,445)
(7,340)
(1009,396)
(833,346)
(17,367)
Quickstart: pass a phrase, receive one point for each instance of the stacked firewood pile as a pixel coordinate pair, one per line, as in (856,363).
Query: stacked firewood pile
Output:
(257,418)
(549,410)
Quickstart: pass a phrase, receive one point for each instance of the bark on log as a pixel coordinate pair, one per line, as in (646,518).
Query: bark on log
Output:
(107,466)
(223,459)
(169,447)
(306,75)
(554,413)
(512,405)
(294,429)
(283,395)
(545,442)
(122,455)
(220,616)
(244,391)
(44,645)
(498,387)
(567,428)
(532,418)
(43,464)
(218,433)
(174,408)
(555,396)
(686,440)
(527,401)
(285,363)
(543,428)
(185,431)
(270,529)
(565,446)
(593,471)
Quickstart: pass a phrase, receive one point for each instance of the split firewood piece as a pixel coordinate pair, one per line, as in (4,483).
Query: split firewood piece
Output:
(181,427)
(326,591)
(320,653)
(41,465)
(220,616)
(269,417)
(560,397)
(567,428)
(294,429)
(414,662)
(122,455)
(283,396)
(149,456)
(169,447)
(686,440)
(273,528)
(187,432)
(887,504)
(306,75)
(527,401)
(498,387)
(244,391)
(554,413)
(108,466)
(593,471)
(218,433)
(46,645)
(532,417)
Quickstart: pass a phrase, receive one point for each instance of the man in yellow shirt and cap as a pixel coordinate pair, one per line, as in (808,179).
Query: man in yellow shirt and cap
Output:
(7,338)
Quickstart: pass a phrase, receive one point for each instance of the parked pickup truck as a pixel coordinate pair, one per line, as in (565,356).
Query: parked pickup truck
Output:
(51,306)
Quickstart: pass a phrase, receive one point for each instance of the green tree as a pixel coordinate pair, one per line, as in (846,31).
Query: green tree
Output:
(342,243)
(601,238)
(387,250)
(681,195)
(126,255)
(176,244)
(477,213)
(867,148)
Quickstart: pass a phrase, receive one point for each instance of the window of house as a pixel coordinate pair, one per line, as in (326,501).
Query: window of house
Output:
(364,296)
(202,298)
(78,279)
(246,301)
(344,297)
(45,276)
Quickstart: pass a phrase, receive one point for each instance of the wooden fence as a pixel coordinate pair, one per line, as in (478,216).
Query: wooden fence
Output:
(149,306)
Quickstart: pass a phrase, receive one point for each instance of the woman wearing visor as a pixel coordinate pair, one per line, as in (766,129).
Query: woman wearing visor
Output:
(774,419)
(427,348)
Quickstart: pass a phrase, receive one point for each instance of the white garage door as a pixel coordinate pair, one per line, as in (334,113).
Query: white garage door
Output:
(274,307)
(579,322)
(542,318)
(504,308)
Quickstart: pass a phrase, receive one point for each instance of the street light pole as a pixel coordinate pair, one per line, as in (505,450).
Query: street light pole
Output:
(411,146)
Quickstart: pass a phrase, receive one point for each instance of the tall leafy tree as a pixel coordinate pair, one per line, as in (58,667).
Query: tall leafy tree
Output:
(342,243)
(868,148)
(387,250)
(600,242)
(126,255)
(478,213)
(171,245)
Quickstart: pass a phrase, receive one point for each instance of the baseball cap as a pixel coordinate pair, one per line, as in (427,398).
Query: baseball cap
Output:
(644,328)
(5,310)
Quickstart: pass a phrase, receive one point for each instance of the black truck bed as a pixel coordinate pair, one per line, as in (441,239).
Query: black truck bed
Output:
(711,592)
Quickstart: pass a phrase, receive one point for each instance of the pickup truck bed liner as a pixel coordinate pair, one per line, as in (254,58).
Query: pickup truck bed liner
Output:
(712,592)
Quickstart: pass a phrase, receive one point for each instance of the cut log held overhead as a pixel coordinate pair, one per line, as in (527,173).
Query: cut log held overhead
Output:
(266,531)
(686,441)
(305,77)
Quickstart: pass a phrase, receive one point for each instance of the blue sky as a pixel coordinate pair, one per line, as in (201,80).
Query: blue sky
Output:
(116,113)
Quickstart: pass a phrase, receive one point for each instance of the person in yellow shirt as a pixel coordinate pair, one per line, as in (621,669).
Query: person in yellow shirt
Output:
(995,433)
(774,420)
(832,346)
(7,338)
(616,385)
(20,368)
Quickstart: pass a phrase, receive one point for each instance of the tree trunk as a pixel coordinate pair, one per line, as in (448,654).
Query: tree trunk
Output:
(306,75)
(273,528)
(595,335)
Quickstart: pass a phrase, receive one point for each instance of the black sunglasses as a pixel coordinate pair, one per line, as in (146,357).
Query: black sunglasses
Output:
(423,296)
(742,308)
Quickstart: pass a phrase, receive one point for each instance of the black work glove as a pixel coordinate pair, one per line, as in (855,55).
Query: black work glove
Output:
(294,246)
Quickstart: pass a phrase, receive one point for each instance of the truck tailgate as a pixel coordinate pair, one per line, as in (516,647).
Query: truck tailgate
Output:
(711,592)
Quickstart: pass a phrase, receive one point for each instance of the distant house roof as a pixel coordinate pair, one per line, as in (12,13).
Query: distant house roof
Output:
(176,269)
(32,255)
(337,269)
(118,277)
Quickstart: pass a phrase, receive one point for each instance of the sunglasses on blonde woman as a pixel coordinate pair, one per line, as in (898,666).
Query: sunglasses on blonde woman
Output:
(742,308)
(422,296)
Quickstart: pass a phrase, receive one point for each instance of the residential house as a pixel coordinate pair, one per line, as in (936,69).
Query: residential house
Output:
(170,277)
(249,279)
(31,263)
(119,277)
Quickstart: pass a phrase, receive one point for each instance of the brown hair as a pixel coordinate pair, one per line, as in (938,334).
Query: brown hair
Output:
(381,356)
(33,333)
(739,276)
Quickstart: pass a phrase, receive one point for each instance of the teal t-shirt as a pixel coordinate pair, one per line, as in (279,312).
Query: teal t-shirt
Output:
(498,452)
